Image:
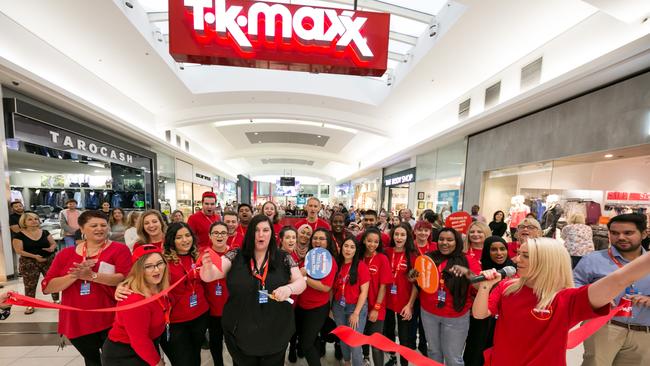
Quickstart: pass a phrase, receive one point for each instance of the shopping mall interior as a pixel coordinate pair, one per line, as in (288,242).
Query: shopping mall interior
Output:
(385,105)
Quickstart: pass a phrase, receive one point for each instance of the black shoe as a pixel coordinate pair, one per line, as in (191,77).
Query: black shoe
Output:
(299,351)
(338,354)
(423,349)
(392,361)
(322,348)
(292,355)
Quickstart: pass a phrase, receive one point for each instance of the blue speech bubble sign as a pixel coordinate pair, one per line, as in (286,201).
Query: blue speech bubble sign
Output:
(318,263)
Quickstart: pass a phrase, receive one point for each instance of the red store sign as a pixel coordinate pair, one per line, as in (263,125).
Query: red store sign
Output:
(628,196)
(305,38)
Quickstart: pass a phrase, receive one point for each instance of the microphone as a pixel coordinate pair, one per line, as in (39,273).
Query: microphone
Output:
(507,271)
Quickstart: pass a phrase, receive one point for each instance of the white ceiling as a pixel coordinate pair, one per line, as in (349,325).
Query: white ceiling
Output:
(103,59)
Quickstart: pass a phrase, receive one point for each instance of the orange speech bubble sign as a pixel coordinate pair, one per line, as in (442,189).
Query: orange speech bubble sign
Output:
(427,274)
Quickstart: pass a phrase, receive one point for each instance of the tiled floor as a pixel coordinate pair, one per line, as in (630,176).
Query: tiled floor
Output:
(39,352)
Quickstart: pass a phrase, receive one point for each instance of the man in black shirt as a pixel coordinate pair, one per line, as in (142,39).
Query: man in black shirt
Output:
(17,210)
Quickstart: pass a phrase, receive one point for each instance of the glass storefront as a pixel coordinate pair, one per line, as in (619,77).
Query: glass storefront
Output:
(439,182)
(366,191)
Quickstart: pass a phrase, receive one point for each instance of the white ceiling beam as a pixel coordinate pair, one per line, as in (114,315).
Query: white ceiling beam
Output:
(161,16)
(390,8)
(403,38)
(397,57)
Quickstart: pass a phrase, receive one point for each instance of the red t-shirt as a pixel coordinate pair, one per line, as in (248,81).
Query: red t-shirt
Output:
(200,224)
(216,293)
(380,274)
(312,298)
(529,338)
(183,293)
(236,240)
(320,223)
(343,286)
(476,254)
(512,249)
(385,239)
(399,271)
(140,326)
(241,232)
(432,246)
(73,324)
(159,244)
(429,302)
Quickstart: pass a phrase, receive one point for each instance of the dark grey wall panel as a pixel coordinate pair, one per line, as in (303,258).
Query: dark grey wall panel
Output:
(613,117)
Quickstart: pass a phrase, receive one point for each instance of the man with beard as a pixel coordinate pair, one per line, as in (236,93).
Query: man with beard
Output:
(245,212)
(17,210)
(624,340)
(200,221)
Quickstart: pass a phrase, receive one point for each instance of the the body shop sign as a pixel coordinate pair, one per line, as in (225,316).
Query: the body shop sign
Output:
(276,35)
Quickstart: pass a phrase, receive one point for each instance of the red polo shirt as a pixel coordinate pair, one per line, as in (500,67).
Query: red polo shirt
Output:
(320,223)
(182,310)
(399,269)
(342,284)
(312,298)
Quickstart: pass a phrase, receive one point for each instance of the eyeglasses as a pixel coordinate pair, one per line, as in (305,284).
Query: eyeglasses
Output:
(219,233)
(150,267)
(527,227)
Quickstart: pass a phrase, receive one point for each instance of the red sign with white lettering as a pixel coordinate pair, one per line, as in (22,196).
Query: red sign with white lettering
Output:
(459,221)
(302,38)
(628,196)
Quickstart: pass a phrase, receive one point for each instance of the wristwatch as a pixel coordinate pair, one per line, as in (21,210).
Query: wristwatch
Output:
(93,277)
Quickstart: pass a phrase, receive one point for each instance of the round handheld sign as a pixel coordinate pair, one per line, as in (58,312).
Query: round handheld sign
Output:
(427,274)
(459,221)
(318,263)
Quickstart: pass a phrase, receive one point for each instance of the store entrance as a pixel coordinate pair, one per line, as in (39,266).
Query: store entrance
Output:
(398,198)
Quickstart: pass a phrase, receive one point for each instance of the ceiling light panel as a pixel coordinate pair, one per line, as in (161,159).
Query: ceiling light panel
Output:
(287,161)
(281,137)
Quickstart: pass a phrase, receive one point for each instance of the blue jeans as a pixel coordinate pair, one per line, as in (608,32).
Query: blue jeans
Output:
(69,241)
(341,317)
(445,337)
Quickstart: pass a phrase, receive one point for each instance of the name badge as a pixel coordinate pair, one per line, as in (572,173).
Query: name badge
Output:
(85,288)
(442,297)
(194,300)
(218,290)
(263,296)
(393,289)
(342,301)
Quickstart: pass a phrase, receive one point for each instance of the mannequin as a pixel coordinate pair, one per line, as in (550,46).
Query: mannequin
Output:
(517,213)
(551,215)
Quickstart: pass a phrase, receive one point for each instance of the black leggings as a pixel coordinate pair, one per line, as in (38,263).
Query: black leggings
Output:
(403,332)
(239,358)
(89,347)
(216,340)
(377,354)
(186,338)
(122,354)
(308,324)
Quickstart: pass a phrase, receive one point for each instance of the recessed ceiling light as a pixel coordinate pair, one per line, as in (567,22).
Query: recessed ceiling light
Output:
(259,142)
(256,133)
(319,136)
(30,170)
(609,156)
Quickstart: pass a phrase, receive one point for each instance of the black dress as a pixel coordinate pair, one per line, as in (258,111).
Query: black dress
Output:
(498,228)
(257,329)
(35,246)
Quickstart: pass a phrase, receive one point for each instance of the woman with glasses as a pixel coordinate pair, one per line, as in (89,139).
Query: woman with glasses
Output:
(217,293)
(134,339)
(528,228)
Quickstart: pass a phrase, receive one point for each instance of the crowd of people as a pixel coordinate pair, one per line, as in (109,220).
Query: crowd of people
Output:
(253,293)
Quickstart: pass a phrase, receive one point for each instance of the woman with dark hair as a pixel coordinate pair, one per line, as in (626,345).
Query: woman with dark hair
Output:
(402,293)
(134,339)
(87,275)
(481,331)
(380,277)
(270,210)
(118,224)
(288,240)
(445,314)
(350,294)
(339,234)
(497,225)
(313,304)
(257,321)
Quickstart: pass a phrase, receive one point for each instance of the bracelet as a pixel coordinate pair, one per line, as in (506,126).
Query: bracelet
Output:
(377,306)
(290,289)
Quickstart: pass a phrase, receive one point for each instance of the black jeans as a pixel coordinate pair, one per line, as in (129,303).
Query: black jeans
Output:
(479,338)
(308,324)
(216,340)
(122,354)
(184,345)
(90,345)
(239,358)
(416,326)
(377,354)
(403,332)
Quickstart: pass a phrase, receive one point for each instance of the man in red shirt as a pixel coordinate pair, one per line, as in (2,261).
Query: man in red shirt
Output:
(245,214)
(235,237)
(200,221)
(370,220)
(312,207)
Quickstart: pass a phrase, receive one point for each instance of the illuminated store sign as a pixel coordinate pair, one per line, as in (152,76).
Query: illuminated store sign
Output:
(306,38)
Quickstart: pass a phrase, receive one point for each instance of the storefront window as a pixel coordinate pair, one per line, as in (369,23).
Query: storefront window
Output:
(166,183)
(439,179)
(366,191)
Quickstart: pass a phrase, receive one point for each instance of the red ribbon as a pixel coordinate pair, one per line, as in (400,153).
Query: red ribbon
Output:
(355,339)
(579,335)
(22,300)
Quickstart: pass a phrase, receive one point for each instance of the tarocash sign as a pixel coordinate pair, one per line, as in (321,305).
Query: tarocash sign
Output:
(269,35)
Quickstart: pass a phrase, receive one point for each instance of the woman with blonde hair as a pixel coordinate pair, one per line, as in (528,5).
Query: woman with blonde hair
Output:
(544,303)
(476,235)
(578,238)
(131,232)
(135,336)
(151,229)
